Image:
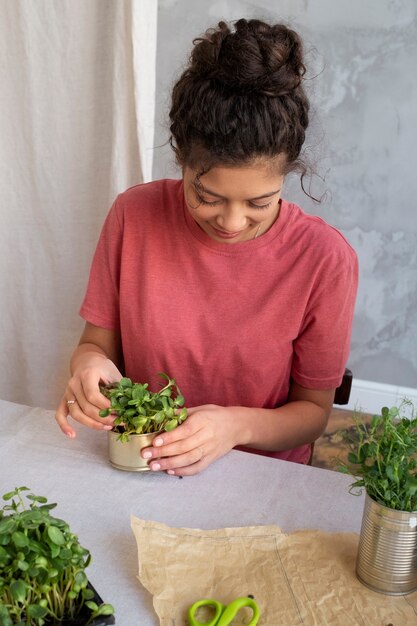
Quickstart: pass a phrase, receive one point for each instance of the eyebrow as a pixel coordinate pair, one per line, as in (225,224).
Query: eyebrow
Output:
(200,187)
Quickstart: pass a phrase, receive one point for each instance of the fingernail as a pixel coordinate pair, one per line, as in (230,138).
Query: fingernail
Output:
(107,427)
(147,454)
(158,441)
(171,472)
(70,435)
(155,467)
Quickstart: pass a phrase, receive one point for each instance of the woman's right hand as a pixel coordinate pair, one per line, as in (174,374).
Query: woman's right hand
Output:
(92,364)
(82,399)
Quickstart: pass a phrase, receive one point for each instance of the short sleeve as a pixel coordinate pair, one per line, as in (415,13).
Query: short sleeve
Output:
(101,302)
(322,348)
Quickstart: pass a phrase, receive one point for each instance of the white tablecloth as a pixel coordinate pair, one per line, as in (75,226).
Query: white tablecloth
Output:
(240,489)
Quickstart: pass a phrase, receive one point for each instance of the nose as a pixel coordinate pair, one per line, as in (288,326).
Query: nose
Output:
(232,218)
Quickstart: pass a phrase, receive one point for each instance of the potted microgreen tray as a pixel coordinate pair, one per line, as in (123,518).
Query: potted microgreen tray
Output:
(42,568)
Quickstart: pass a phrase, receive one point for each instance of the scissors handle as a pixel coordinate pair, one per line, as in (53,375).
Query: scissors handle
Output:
(232,609)
(224,615)
(217,606)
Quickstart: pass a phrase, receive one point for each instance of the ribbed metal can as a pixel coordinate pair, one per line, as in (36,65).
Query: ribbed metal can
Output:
(387,552)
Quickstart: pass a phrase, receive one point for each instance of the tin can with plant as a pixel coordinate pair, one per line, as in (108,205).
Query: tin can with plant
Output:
(383,460)
(141,415)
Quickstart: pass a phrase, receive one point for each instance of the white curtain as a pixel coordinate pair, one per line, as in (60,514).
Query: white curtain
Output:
(77,88)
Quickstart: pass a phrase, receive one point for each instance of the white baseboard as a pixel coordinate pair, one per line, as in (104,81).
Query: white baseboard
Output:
(369,397)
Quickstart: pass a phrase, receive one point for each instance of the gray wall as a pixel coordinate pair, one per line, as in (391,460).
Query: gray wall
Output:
(363,143)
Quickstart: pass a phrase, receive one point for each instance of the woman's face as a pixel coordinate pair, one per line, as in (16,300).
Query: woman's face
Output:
(234,204)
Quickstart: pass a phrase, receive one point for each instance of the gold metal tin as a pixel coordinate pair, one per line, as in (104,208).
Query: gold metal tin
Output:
(387,552)
(126,456)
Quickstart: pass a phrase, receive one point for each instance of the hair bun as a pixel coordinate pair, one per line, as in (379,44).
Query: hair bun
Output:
(256,57)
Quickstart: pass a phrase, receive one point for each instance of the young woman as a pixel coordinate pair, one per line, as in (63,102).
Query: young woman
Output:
(217,280)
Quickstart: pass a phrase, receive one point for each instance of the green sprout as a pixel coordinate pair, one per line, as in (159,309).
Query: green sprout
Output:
(42,577)
(383,457)
(141,411)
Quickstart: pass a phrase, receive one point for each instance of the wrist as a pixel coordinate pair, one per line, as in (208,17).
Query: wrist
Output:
(87,355)
(244,421)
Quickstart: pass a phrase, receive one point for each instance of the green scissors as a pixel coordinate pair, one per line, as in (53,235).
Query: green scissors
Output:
(224,614)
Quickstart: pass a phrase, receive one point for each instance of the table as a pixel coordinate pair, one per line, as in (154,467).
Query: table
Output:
(241,489)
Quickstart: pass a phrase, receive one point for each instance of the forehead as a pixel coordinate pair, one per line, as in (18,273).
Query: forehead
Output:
(251,180)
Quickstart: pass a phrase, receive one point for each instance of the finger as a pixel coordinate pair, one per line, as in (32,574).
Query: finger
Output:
(181,433)
(178,461)
(76,391)
(190,470)
(61,417)
(78,415)
(180,447)
(92,393)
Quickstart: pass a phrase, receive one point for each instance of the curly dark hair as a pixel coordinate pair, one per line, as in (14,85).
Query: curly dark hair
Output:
(241,97)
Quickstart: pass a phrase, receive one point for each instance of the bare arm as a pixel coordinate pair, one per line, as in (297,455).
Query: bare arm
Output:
(302,420)
(96,359)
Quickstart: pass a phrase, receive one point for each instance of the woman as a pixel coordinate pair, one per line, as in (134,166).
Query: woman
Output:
(217,280)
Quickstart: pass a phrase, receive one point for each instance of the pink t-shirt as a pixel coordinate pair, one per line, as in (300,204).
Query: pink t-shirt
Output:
(232,323)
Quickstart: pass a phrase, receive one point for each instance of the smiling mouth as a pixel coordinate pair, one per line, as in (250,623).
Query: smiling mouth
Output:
(225,234)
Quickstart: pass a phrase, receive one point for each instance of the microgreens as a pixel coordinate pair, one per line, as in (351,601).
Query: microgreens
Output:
(42,577)
(383,457)
(140,410)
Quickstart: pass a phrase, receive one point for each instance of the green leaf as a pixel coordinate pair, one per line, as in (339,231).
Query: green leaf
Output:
(19,539)
(33,572)
(81,579)
(56,536)
(54,550)
(182,416)
(104,609)
(104,412)
(92,605)
(42,575)
(171,425)
(412,486)
(5,619)
(53,572)
(7,525)
(179,400)
(9,495)
(125,382)
(4,540)
(352,458)
(22,565)
(40,499)
(37,611)
(87,593)
(138,422)
(18,590)
(65,554)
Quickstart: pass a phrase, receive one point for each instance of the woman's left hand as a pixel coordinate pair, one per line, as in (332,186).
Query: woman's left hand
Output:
(208,433)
